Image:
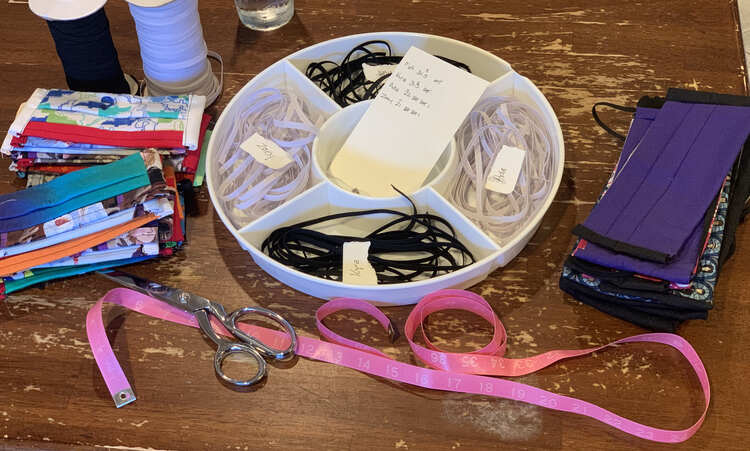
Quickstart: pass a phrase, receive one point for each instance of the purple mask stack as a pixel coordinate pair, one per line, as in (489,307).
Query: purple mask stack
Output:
(651,249)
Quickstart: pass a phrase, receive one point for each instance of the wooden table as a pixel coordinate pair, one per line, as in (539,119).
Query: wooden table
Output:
(51,393)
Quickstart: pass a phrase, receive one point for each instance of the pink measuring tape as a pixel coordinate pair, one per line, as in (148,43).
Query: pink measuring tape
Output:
(455,372)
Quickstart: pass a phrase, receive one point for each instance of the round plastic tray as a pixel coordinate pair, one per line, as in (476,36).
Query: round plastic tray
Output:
(324,197)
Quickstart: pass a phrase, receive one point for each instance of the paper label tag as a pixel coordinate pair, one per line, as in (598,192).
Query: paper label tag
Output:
(356,269)
(62,224)
(374,72)
(505,170)
(408,125)
(266,152)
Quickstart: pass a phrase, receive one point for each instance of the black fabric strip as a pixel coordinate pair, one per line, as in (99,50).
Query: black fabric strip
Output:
(345,82)
(606,128)
(409,247)
(637,317)
(690,96)
(619,246)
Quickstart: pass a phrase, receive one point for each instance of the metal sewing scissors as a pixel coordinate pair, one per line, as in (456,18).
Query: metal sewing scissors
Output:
(201,308)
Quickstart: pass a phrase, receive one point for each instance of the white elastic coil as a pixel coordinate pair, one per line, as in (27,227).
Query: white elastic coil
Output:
(496,122)
(249,189)
(174,54)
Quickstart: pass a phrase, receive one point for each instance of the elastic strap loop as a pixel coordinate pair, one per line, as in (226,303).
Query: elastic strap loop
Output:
(605,126)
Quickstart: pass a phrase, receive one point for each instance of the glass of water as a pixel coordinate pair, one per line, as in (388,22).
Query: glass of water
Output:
(264,15)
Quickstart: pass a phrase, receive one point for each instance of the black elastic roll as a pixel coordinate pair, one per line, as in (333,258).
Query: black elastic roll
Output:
(346,84)
(429,239)
(88,54)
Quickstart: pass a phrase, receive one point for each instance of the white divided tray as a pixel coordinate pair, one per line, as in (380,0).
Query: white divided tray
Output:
(324,197)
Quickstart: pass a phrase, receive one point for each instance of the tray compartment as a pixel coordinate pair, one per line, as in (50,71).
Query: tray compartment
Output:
(325,199)
(281,75)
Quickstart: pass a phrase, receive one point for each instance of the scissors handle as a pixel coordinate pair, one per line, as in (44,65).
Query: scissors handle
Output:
(227,348)
(264,349)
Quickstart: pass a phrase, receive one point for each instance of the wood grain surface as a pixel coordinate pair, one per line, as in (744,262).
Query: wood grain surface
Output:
(577,52)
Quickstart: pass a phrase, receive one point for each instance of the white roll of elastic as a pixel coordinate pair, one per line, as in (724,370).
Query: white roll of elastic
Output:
(247,188)
(174,53)
(496,122)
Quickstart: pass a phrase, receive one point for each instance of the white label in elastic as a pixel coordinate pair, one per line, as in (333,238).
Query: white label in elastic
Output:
(374,72)
(356,269)
(505,170)
(266,152)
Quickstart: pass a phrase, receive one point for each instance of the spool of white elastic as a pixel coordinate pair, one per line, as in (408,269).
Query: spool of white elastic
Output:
(248,188)
(495,123)
(174,53)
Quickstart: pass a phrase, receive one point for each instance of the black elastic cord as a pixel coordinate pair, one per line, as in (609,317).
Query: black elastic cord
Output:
(345,82)
(409,247)
(605,126)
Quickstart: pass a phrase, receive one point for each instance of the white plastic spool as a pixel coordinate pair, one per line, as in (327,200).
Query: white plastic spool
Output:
(65,9)
(163,83)
(324,196)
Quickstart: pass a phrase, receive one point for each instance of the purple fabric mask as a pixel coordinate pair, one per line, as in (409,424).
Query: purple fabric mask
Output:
(662,189)
(682,265)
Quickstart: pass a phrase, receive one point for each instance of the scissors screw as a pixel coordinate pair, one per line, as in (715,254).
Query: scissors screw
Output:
(184,298)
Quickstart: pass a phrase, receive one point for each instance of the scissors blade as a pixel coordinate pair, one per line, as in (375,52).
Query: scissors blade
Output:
(173,296)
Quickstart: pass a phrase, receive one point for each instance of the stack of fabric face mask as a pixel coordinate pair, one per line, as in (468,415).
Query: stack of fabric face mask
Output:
(652,248)
(102,216)
(57,131)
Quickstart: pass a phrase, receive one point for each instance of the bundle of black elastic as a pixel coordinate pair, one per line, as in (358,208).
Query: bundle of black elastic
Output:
(655,303)
(88,54)
(346,83)
(410,247)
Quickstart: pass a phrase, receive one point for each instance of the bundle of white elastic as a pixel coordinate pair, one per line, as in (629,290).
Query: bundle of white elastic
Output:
(173,51)
(496,122)
(249,189)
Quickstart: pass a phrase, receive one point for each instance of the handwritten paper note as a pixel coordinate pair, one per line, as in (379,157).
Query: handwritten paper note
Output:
(356,269)
(374,72)
(408,125)
(505,170)
(266,151)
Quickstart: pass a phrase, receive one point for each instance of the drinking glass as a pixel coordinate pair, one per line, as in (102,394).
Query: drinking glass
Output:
(264,15)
